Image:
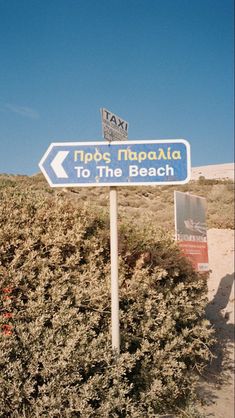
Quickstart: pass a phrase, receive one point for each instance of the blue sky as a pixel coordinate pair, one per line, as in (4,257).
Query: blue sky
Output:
(166,66)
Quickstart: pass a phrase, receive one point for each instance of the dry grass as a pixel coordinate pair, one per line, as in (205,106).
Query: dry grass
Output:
(155,203)
(55,350)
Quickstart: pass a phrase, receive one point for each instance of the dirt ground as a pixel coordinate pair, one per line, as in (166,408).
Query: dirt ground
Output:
(217,386)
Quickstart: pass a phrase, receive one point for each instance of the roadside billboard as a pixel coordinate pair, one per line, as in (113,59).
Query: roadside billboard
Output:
(190,228)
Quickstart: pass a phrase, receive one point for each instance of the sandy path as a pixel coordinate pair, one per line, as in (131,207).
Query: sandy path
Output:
(218,388)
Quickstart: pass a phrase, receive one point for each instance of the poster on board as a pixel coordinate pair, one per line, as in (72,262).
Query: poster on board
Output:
(190,228)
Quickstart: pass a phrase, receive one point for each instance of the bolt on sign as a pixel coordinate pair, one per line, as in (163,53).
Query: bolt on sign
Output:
(114,128)
(190,229)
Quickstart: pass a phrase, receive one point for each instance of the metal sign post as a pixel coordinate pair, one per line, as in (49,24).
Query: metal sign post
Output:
(114,129)
(112,164)
(114,270)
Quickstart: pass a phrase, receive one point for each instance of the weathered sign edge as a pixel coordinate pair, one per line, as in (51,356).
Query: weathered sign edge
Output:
(100,184)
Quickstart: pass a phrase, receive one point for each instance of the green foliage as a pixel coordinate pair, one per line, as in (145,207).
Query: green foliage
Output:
(58,361)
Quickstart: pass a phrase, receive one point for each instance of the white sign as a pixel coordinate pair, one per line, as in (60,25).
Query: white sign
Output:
(114,128)
(190,228)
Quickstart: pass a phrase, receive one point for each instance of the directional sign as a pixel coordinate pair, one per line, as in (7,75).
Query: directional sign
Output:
(124,163)
(114,127)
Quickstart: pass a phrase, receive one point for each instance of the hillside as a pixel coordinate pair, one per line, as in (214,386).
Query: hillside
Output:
(56,358)
(146,204)
(214,171)
(55,250)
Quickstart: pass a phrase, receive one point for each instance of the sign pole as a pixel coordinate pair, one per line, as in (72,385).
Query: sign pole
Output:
(114,270)
(116,162)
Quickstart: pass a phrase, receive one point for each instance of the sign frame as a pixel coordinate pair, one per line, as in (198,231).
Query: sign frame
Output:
(119,143)
(190,231)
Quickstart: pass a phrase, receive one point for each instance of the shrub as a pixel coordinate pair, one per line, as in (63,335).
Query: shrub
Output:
(58,362)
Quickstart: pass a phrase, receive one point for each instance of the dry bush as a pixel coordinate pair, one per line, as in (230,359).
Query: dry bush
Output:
(157,201)
(58,361)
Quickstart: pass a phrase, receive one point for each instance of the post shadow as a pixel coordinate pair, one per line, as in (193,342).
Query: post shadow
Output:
(224,331)
(217,371)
